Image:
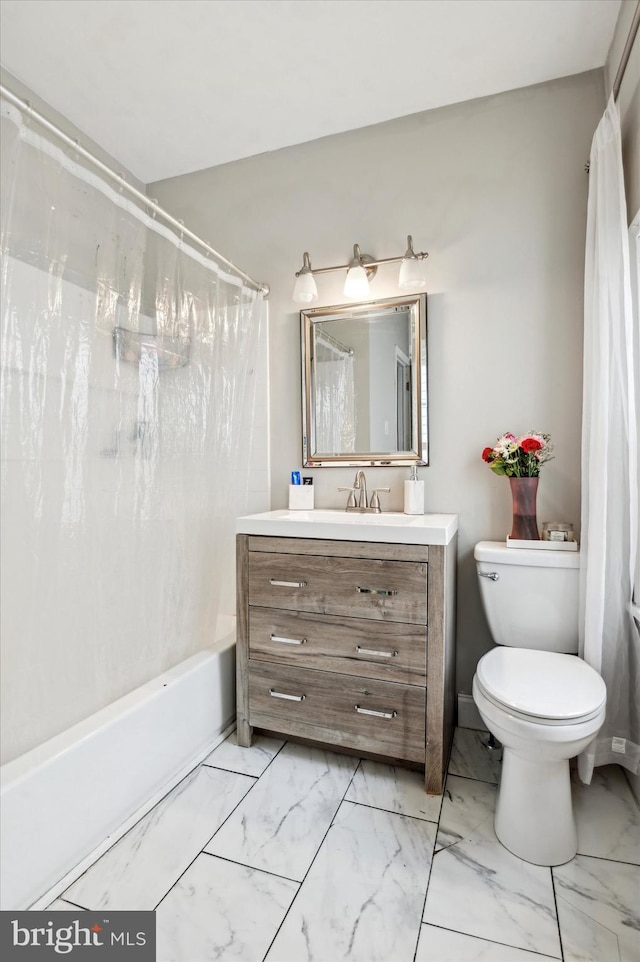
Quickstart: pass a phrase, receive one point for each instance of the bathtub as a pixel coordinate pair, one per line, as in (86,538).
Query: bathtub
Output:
(67,801)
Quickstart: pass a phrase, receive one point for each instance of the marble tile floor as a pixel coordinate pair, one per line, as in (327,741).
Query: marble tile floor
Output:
(287,853)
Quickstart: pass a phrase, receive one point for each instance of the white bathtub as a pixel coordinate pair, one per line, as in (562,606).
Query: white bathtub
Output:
(66,801)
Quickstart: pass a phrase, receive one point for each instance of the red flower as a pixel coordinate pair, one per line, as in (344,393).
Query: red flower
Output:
(486,454)
(530,444)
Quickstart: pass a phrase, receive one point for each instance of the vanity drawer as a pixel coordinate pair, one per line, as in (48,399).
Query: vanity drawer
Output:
(389,651)
(349,587)
(383,718)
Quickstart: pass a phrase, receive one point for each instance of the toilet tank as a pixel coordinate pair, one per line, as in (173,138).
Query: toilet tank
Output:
(531,595)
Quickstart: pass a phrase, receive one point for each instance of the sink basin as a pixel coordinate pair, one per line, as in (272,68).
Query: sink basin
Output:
(391,527)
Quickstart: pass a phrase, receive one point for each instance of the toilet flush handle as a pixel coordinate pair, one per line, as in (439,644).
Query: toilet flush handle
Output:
(492,575)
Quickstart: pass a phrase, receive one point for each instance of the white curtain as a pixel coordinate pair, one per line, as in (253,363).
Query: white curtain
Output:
(634,249)
(608,632)
(129,364)
(335,399)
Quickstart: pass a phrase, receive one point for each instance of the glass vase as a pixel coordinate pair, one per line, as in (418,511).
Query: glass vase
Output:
(523,493)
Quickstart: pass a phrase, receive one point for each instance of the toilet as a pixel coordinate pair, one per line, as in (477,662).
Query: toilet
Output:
(535,695)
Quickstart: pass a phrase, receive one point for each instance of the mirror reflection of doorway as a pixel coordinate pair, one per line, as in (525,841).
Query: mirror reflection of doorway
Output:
(403,400)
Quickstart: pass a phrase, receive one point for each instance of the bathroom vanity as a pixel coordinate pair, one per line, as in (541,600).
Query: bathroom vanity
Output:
(346,632)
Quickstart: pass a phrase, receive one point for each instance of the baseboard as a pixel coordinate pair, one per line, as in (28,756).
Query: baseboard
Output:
(634,783)
(468,714)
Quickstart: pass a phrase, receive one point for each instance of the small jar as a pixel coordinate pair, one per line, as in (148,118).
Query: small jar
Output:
(557,531)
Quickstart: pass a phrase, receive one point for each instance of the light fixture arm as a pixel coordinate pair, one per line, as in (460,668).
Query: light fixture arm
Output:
(410,253)
(306,265)
(356,260)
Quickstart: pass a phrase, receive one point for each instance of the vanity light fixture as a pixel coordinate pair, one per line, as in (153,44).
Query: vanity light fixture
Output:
(412,269)
(359,270)
(305,289)
(356,283)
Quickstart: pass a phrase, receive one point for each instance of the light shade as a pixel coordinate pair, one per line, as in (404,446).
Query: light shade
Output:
(357,283)
(305,289)
(412,273)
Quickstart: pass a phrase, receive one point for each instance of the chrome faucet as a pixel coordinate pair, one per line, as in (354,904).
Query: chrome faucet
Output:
(360,488)
(360,485)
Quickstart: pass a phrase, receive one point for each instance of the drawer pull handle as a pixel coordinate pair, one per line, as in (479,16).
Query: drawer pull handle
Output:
(378,714)
(289,641)
(281,694)
(387,592)
(288,584)
(372,651)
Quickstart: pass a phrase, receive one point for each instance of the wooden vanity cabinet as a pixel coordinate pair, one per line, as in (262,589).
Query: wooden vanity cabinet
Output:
(349,644)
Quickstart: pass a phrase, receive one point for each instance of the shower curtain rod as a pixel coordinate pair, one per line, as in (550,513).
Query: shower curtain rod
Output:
(626,53)
(147,202)
(335,343)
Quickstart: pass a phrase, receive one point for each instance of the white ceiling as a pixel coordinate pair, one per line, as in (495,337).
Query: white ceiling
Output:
(172,86)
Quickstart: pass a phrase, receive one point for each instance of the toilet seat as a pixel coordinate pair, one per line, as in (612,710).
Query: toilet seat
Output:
(540,686)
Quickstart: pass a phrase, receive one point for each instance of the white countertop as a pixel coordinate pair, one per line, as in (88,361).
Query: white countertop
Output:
(391,527)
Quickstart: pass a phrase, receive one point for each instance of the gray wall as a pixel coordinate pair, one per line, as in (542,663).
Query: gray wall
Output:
(628,102)
(495,190)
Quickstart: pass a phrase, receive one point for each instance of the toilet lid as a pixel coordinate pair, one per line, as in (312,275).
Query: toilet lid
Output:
(542,684)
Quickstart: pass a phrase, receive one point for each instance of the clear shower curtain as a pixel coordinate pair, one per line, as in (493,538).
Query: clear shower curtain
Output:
(335,399)
(129,365)
(609,636)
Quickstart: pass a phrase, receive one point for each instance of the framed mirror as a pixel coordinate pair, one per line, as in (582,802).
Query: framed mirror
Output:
(364,383)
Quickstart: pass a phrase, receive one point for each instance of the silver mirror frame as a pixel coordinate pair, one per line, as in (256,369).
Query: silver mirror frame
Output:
(419,452)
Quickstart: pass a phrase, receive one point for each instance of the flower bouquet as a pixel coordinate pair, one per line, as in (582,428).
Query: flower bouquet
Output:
(520,459)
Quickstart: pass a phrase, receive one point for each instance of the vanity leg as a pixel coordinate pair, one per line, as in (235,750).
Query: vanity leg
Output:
(244,730)
(244,733)
(441,661)
(433,777)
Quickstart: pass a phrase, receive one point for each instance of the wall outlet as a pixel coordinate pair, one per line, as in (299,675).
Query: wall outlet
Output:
(619,745)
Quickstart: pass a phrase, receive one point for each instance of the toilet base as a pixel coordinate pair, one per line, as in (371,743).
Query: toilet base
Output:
(534,815)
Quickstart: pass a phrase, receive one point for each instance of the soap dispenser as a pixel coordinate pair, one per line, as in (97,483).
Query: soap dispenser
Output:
(414,494)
